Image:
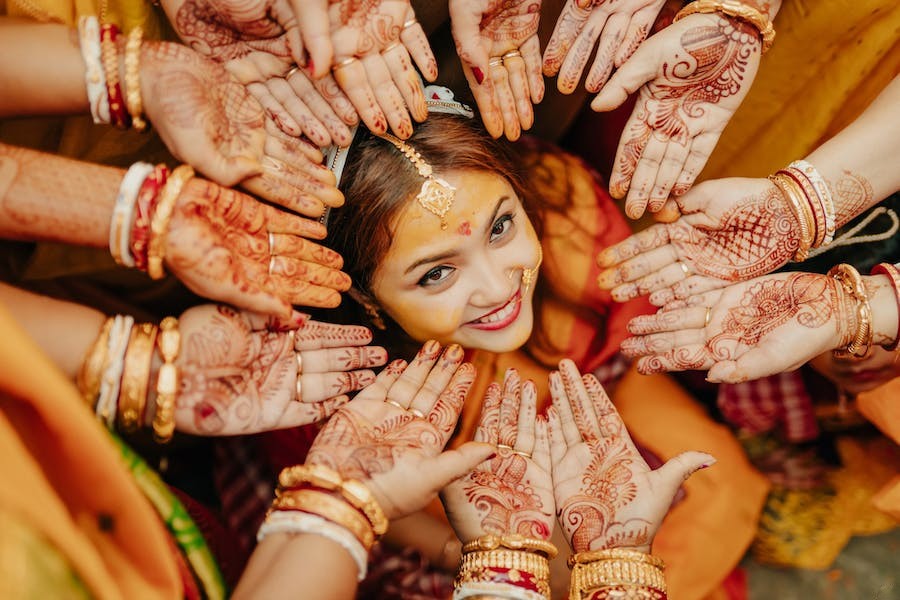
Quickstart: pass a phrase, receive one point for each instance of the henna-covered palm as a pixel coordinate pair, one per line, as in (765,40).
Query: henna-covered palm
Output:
(218,244)
(620,26)
(730,230)
(488,29)
(382,84)
(756,328)
(692,76)
(379,439)
(606,495)
(511,493)
(239,370)
(209,120)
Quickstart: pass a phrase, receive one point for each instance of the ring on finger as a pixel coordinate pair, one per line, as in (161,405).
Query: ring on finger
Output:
(344,63)
(271,244)
(395,403)
(299,389)
(511,54)
(684,269)
(521,453)
(417,413)
(706,318)
(392,46)
(293,70)
(299,362)
(495,61)
(272,265)
(505,447)
(410,23)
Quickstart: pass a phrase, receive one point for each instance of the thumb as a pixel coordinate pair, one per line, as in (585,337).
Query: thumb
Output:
(671,475)
(231,170)
(453,464)
(312,17)
(465,25)
(637,70)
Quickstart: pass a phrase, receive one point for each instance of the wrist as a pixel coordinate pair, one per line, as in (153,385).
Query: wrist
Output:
(883,300)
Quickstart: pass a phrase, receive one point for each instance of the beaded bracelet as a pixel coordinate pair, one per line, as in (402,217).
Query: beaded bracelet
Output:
(737,10)
(169,343)
(118,113)
(894,275)
(133,101)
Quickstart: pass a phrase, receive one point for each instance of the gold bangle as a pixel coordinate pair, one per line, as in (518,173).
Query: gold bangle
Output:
(133,101)
(615,554)
(802,212)
(505,566)
(156,248)
(136,377)
(587,577)
(329,507)
(735,9)
(852,282)
(813,204)
(354,491)
(169,343)
(512,541)
(91,372)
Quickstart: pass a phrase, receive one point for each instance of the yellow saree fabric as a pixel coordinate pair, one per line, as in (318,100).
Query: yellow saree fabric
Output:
(65,482)
(881,406)
(830,59)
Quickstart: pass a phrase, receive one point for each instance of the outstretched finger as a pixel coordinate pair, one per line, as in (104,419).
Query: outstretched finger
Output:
(348,358)
(488,428)
(315,387)
(580,402)
(568,25)
(274,110)
(506,102)
(643,241)
(695,288)
(659,343)
(383,381)
(518,84)
(670,167)
(634,138)
(304,183)
(387,95)
(297,247)
(511,398)
(413,37)
(673,320)
(284,269)
(557,438)
(352,79)
(640,266)
(438,380)
(541,451)
(312,17)
(684,358)
(316,335)
(638,28)
(561,403)
(636,71)
(445,412)
(296,413)
(610,39)
(531,54)
(407,81)
(669,477)
(310,125)
(644,176)
(404,390)
(578,55)
(525,426)
(660,279)
(447,467)
(701,147)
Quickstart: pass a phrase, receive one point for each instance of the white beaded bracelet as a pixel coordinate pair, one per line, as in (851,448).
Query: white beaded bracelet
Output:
(94,77)
(282,521)
(111,380)
(123,214)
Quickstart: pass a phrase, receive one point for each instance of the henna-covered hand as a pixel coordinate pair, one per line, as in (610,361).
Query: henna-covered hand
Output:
(485,31)
(218,244)
(620,26)
(208,120)
(730,230)
(239,370)
(373,56)
(380,439)
(512,493)
(692,76)
(752,329)
(606,495)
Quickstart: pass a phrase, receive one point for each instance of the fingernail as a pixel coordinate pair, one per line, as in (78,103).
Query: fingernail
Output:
(479,74)
(311,67)
(492,456)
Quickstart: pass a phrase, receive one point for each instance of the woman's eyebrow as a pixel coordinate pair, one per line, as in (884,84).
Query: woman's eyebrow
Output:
(445,255)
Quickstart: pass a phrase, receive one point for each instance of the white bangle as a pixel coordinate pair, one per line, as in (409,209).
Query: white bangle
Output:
(495,590)
(281,521)
(94,78)
(120,226)
(111,380)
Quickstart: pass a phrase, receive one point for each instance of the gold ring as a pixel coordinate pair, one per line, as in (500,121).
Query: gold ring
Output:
(344,63)
(520,453)
(272,265)
(684,269)
(271,244)
(299,390)
(293,70)
(299,363)
(512,54)
(505,447)
(495,62)
(393,403)
(410,23)
(706,318)
(392,46)
(417,413)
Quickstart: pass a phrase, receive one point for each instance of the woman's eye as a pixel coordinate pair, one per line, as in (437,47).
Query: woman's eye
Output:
(501,226)
(436,276)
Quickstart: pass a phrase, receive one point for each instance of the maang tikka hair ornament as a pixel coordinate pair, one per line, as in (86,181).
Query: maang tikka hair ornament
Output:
(436,195)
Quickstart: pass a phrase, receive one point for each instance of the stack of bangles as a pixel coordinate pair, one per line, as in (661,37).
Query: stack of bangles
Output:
(858,339)
(114,379)
(509,566)
(616,573)
(113,100)
(736,10)
(809,198)
(318,500)
(140,221)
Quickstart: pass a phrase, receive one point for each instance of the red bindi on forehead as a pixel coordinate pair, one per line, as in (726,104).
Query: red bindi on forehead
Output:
(464,228)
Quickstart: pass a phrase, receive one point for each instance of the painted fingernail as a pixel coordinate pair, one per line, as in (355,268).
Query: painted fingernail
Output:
(454,353)
(492,456)
(479,74)
(311,67)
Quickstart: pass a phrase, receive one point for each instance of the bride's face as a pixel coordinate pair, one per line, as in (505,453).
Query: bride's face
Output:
(462,284)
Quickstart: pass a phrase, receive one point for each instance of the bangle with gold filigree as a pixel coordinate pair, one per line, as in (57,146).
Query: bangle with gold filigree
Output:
(118,113)
(168,340)
(136,377)
(511,541)
(853,285)
(598,574)
(330,507)
(326,478)
(133,101)
(503,573)
(735,9)
(159,223)
(91,371)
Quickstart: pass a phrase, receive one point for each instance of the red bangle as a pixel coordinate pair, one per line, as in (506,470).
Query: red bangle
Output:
(521,579)
(894,275)
(143,214)
(118,111)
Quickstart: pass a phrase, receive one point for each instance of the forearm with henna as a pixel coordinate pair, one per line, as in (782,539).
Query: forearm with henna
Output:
(44,197)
